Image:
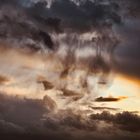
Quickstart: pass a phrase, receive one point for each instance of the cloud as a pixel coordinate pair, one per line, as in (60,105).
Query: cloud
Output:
(34,118)
(132,8)
(8,127)
(4,79)
(125,120)
(47,85)
(126,56)
(83,17)
(20,29)
(87,16)
(17,28)
(67,92)
(81,38)
(109,99)
(103,108)
(31,28)
(23,111)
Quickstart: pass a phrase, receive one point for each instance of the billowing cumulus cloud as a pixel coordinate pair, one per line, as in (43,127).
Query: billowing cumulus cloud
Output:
(31,118)
(121,120)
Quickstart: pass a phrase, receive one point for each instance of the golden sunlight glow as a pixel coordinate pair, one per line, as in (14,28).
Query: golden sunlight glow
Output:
(20,76)
(128,87)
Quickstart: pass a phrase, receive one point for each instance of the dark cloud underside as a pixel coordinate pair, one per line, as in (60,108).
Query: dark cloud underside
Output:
(26,118)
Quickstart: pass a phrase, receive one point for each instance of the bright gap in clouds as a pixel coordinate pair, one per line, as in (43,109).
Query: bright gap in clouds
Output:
(124,86)
(21,73)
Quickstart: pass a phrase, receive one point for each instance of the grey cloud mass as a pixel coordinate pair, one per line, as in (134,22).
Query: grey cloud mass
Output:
(29,118)
(98,36)
(32,24)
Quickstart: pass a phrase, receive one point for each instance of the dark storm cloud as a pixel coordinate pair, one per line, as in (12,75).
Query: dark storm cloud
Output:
(24,111)
(63,16)
(132,8)
(126,55)
(84,17)
(17,27)
(33,25)
(66,17)
(8,127)
(30,118)
(21,115)
(127,58)
(125,121)
(8,2)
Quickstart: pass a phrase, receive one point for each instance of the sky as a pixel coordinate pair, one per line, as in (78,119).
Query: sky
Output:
(70,69)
